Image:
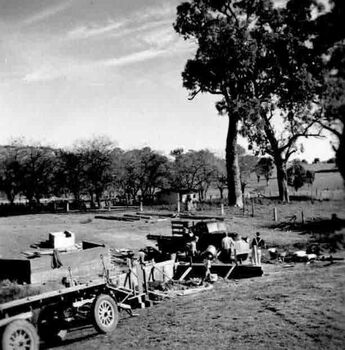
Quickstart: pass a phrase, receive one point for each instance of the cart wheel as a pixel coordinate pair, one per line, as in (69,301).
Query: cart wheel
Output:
(20,334)
(105,314)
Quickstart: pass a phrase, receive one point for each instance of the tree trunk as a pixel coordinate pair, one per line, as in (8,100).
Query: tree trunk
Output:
(282,180)
(10,196)
(98,199)
(340,155)
(278,160)
(233,170)
(221,192)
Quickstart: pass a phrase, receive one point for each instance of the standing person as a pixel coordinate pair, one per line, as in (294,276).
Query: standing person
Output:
(207,265)
(188,203)
(227,246)
(191,249)
(257,244)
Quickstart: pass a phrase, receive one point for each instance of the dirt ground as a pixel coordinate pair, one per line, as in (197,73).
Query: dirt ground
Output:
(300,307)
(296,308)
(17,233)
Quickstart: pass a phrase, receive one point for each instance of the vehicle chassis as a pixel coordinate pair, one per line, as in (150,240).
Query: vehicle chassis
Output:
(47,315)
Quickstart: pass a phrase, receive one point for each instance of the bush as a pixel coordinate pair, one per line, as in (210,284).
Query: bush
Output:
(298,176)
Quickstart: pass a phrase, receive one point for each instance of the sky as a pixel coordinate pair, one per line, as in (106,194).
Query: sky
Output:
(76,69)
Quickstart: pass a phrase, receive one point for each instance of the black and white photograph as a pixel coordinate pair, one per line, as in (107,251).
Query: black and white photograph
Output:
(172,174)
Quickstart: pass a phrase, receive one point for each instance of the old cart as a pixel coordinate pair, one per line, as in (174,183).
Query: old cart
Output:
(48,315)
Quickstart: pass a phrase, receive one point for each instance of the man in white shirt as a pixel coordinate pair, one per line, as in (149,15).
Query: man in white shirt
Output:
(227,246)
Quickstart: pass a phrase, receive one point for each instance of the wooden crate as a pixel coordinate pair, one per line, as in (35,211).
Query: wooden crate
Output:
(85,264)
(178,227)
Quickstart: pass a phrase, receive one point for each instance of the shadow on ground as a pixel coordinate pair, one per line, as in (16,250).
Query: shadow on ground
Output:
(328,232)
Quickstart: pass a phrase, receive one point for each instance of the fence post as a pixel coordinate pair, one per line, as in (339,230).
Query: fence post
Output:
(275,214)
(222,209)
(302,216)
(141,208)
(244,203)
(178,204)
(67,207)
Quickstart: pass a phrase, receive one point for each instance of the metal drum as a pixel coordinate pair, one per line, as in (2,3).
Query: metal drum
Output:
(211,251)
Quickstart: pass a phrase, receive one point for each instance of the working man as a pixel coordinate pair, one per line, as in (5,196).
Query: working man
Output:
(257,244)
(207,264)
(227,246)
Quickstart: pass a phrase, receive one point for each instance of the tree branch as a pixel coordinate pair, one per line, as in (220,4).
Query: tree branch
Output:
(193,94)
(294,137)
(334,131)
(228,6)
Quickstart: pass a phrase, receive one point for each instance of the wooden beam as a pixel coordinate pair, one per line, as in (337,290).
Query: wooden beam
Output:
(184,275)
(229,272)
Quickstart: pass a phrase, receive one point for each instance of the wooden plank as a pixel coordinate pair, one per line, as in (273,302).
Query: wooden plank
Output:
(229,272)
(140,278)
(168,215)
(184,275)
(201,217)
(84,263)
(194,290)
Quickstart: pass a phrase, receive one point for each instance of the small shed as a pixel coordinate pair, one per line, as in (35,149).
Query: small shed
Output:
(171,196)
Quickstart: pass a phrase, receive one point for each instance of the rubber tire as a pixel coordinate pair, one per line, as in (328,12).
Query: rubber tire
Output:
(105,314)
(20,325)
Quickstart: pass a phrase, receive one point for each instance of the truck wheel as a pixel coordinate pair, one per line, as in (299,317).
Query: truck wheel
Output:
(105,314)
(20,335)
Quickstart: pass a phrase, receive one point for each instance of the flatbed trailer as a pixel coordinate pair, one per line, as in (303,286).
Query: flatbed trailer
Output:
(47,316)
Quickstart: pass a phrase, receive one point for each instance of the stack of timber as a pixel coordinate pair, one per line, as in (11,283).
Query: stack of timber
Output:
(124,217)
(201,217)
(159,214)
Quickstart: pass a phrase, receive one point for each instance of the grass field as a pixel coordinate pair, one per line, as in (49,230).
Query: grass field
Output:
(301,307)
(19,232)
(328,184)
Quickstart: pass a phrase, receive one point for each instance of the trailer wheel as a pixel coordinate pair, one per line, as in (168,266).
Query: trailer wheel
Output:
(105,314)
(20,335)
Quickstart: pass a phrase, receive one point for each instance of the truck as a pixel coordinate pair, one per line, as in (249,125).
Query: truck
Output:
(207,233)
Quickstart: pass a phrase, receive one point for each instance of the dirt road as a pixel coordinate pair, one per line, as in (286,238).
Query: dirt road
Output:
(288,308)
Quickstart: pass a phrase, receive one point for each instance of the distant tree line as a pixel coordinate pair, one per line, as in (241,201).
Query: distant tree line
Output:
(97,169)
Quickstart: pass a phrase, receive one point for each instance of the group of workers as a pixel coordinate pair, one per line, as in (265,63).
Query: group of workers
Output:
(229,248)
(229,251)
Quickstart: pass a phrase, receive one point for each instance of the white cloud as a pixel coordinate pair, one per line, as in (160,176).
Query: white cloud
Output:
(137,22)
(47,12)
(70,69)
(84,32)
(160,37)
(43,74)
(133,58)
